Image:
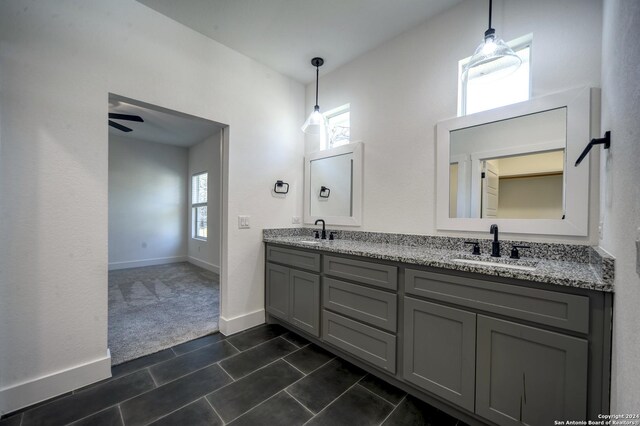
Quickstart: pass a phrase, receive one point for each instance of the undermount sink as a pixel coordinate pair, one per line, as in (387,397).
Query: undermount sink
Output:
(495,264)
(310,242)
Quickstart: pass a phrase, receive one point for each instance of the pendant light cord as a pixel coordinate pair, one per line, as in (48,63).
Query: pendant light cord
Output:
(317,78)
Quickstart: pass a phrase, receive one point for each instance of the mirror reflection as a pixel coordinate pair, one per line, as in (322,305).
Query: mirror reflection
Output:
(331,187)
(509,169)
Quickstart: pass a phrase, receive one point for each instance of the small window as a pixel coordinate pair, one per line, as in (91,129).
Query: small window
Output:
(199,205)
(482,92)
(339,131)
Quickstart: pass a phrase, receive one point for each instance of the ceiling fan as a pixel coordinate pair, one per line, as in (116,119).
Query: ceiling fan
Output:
(127,117)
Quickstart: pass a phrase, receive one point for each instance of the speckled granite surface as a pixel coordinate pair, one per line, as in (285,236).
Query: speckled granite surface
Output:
(560,264)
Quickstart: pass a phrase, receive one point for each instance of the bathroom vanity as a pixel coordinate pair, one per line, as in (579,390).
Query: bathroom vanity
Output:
(490,340)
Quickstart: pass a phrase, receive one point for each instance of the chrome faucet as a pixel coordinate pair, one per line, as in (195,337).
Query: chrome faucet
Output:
(495,245)
(324,231)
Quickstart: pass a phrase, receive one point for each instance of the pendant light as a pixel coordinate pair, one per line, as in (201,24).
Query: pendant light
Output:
(316,122)
(493,57)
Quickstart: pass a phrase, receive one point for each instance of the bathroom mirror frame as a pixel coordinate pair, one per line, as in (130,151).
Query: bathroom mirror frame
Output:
(356,149)
(582,124)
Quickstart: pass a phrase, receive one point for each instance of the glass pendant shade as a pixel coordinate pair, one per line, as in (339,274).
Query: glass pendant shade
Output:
(316,123)
(492,59)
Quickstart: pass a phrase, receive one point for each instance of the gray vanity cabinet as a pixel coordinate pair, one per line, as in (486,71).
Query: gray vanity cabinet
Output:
(494,350)
(439,350)
(278,290)
(529,376)
(293,294)
(305,301)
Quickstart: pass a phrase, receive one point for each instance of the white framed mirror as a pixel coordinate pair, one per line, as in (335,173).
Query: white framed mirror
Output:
(514,166)
(333,185)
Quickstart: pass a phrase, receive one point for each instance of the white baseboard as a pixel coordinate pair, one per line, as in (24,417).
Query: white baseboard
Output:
(30,392)
(206,265)
(237,324)
(146,262)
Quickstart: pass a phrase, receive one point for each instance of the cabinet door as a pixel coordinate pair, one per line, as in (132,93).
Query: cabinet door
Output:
(305,301)
(439,350)
(278,291)
(528,376)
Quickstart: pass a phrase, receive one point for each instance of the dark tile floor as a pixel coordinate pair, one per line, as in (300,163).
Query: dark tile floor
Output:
(263,376)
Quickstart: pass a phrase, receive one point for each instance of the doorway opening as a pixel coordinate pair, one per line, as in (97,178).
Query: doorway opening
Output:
(165,227)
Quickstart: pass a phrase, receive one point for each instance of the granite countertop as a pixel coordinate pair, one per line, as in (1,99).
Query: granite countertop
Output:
(581,274)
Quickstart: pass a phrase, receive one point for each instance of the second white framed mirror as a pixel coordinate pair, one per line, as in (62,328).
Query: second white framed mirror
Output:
(333,185)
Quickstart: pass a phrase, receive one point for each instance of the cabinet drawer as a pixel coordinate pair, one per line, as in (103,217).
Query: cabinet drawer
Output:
(567,311)
(375,307)
(291,257)
(363,341)
(383,276)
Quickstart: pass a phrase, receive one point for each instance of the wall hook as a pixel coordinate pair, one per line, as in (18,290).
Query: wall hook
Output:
(606,140)
(281,187)
(324,192)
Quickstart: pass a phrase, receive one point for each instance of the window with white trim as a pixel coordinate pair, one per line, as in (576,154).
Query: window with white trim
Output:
(339,131)
(482,92)
(199,205)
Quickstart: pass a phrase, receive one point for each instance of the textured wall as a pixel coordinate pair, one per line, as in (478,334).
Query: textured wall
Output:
(620,198)
(58,63)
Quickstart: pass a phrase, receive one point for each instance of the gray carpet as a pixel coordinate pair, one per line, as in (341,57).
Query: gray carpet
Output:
(156,307)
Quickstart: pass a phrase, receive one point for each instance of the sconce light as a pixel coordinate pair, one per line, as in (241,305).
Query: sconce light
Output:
(316,122)
(324,192)
(281,187)
(491,55)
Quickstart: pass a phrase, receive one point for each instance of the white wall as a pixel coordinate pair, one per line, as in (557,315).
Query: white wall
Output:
(205,157)
(400,90)
(58,63)
(621,191)
(147,203)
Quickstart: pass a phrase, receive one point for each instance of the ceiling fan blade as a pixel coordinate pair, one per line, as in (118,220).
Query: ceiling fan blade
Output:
(126,117)
(119,126)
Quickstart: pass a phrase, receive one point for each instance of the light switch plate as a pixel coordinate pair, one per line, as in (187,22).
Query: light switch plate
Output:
(638,251)
(243,222)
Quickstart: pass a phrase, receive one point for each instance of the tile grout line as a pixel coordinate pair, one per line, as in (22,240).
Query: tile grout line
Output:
(338,397)
(173,411)
(298,401)
(197,349)
(392,411)
(226,372)
(186,374)
(303,373)
(214,410)
(233,346)
(228,384)
(283,389)
(262,343)
(255,406)
(311,372)
(152,378)
(121,415)
(376,395)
